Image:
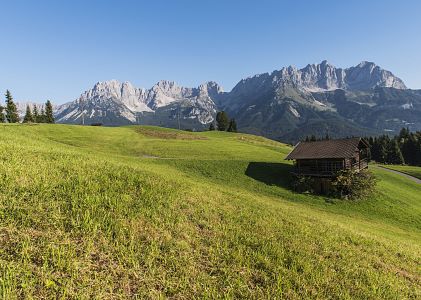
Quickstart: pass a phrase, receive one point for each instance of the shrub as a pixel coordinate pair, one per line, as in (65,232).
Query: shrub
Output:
(303,184)
(353,185)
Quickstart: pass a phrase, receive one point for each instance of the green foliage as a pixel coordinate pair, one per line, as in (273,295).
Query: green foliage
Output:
(11,110)
(152,213)
(35,114)
(232,126)
(403,148)
(28,118)
(354,185)
(42,117)
(303,184)
(211,127)
(394,154)
(49,117)
(2,117)
(222,121)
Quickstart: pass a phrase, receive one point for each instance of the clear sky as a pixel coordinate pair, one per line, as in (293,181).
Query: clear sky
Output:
(58,49)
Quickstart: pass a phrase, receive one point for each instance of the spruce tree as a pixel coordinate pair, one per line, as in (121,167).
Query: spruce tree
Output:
(28,118)
(11,110)
(394,154)
(35,114)
(222,121)
(232,126)
(211,127)
(42,116)
(49,117)
(2,117)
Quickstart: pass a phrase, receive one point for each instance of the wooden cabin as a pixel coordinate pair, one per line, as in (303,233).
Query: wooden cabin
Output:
(326,158)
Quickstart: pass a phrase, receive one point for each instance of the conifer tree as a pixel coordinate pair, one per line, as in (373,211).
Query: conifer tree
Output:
(28,118)
(42,116)
(211,127)
(409,149)
(11,110)
(49,117)
(2,117)
(35,114)
(394,154)
(232,126)
(222,121)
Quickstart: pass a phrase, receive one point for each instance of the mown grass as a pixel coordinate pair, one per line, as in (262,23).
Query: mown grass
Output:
(410,170)
(91,212)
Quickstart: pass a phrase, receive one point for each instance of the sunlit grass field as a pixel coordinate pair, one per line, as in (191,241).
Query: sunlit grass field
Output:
(145,212)
(410,170)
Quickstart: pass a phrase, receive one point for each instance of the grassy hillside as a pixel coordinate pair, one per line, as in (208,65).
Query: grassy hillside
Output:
(91,212)
(410,170)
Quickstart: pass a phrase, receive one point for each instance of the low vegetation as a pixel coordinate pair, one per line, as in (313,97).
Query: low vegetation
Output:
(110,213)
(354,185)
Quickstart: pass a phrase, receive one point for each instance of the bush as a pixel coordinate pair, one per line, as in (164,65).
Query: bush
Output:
(303,184)
(353,185)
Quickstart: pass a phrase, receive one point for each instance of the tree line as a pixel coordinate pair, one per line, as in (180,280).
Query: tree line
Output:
(404,148)
(224,123)
(9,112)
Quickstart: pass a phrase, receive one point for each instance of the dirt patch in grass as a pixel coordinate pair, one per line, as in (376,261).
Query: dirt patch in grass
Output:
(169,134)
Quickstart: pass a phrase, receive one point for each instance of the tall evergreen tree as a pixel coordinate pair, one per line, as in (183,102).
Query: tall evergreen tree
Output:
(409,149)
(222,121)
(2,117)
(35,114)
(211,127)
(42,116)
(232,126)
(49,117)
(28,118)
(11,110)
(394,154)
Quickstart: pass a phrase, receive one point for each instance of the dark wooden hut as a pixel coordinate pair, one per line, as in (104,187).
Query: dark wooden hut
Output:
(326,158)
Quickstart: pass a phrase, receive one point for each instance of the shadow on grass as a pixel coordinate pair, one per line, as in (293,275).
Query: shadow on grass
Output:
(277,174)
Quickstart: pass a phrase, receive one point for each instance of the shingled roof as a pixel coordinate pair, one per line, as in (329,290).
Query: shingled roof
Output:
(343,148)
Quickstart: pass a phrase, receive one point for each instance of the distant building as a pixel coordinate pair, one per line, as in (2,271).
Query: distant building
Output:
(322,160)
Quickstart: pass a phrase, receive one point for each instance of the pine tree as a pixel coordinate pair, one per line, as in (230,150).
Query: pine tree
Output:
(28,118)
(35,114)
(42,117)
(11,110)
(211,127)
(409,149)
(232,126)
(2,117)
(403,134)
(49,117)
(394,154)
(222,121)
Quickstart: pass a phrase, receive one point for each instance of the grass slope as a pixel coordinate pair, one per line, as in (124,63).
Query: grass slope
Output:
(410,170)
(91,212)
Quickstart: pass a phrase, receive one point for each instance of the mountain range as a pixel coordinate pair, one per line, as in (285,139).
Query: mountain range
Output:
(286,104)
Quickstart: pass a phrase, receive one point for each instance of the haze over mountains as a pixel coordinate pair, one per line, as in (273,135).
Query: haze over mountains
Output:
(286,104)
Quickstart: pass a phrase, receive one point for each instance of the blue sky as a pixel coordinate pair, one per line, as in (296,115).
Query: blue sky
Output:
(57,49)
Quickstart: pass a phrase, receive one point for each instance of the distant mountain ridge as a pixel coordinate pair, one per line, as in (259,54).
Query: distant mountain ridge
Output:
(282,104)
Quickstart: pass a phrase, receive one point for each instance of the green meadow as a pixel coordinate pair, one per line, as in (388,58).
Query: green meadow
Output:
(410,170)
(151,213)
